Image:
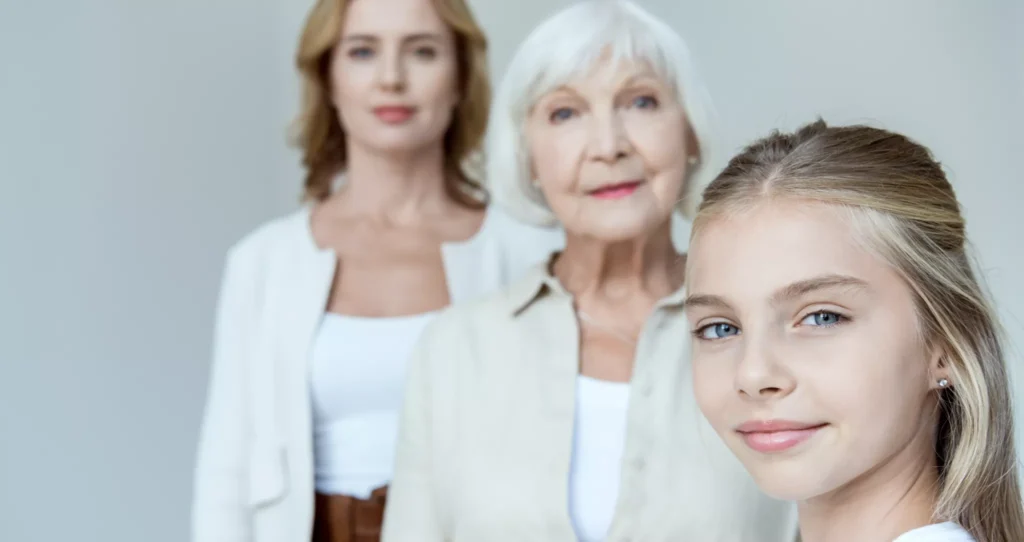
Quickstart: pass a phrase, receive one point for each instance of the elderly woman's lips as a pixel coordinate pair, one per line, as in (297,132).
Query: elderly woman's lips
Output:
(616,191)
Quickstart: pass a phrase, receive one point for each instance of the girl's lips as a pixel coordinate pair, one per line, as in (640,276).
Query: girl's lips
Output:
(777,436)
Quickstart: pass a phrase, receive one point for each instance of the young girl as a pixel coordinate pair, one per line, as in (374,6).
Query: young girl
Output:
(844,349)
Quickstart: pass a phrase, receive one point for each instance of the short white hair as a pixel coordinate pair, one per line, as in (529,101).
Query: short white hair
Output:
(565,46)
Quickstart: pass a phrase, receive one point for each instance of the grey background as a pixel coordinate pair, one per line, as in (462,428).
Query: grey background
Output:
(138,139)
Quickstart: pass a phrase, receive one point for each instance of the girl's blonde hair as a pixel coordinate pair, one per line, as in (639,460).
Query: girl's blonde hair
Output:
(909,214)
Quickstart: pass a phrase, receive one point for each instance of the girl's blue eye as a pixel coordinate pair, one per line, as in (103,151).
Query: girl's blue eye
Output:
(720,330)
(822,318)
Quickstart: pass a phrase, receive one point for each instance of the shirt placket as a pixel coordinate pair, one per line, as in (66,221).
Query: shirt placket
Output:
(638,451)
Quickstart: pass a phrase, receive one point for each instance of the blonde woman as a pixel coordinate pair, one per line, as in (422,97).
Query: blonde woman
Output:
(559,409)
(843,347)
(319,310)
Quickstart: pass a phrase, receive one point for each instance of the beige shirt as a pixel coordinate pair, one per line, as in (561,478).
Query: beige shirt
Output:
(486,435)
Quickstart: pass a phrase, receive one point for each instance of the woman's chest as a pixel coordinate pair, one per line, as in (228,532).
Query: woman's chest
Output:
(506,466)
(508,474)
(389,279)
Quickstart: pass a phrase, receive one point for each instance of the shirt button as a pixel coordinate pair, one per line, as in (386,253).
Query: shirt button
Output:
(639,463)
(647,389)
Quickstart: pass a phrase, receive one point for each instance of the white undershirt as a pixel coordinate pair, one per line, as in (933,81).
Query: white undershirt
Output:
(598,441)
(357,379)
(939,532)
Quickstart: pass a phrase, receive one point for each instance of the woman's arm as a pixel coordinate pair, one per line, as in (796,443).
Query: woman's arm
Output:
(411,512)
(219,513)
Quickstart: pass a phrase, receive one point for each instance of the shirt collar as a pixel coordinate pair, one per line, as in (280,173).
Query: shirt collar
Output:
(536,283)
(539,282)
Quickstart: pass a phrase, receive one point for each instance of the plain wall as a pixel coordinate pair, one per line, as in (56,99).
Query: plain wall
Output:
(139,139)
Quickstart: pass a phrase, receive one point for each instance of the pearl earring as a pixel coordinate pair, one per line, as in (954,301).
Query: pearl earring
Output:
(943,383)
(691,160)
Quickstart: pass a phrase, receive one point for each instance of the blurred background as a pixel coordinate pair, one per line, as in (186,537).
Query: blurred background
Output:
(139,139)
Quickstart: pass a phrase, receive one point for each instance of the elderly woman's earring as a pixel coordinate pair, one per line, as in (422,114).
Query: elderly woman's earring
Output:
(943,383)
(691,160)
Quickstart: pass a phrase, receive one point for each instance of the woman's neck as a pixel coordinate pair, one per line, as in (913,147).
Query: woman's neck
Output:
(879,506)
(398,188)
(619,273)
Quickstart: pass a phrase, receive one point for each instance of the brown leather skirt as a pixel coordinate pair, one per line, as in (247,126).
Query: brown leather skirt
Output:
(340,518)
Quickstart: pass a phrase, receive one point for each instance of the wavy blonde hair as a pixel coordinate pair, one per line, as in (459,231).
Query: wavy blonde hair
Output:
(319,134)
(910,216)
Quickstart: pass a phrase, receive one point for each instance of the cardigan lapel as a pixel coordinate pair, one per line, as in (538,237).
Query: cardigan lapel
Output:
(297,283)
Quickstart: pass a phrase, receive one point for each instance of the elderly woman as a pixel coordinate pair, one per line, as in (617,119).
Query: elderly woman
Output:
(562,408)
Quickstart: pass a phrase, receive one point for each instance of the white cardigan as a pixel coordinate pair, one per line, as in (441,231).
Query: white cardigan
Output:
(254,471)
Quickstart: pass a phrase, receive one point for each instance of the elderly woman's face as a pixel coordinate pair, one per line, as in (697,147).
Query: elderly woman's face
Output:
(609,150)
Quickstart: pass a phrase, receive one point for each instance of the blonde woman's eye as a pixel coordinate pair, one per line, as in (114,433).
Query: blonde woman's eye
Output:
(426,52)
(360,53)
(716,331)
(822,319)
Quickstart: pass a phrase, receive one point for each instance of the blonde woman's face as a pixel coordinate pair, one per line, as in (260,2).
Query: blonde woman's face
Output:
(609,151)
(394,75)
(807,357)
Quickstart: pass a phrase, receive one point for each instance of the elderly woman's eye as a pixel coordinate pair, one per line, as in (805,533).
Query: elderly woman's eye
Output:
(644,102)
(561,114)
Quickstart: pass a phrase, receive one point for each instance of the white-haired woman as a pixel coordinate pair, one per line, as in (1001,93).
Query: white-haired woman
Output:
(562,409)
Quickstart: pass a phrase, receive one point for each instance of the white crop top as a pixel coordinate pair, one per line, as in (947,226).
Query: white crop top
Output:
(598,442)
(357,378)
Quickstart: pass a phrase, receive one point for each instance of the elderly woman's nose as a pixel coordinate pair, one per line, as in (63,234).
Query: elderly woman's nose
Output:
(608,138)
